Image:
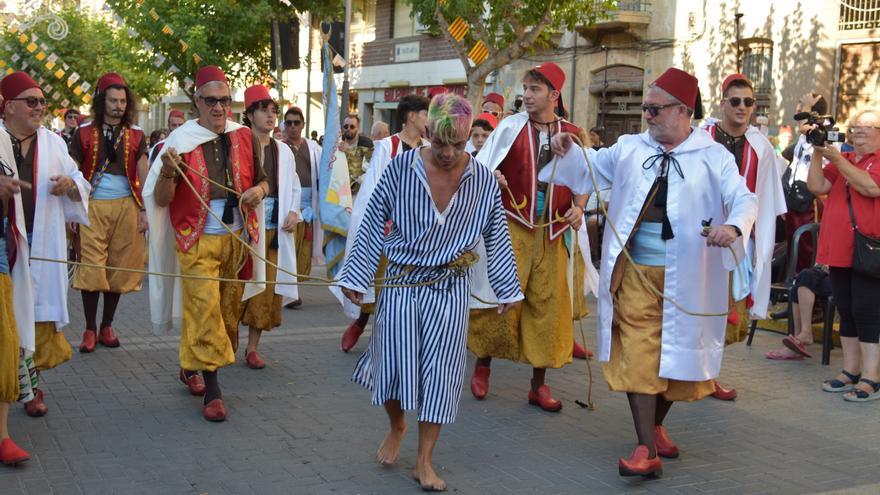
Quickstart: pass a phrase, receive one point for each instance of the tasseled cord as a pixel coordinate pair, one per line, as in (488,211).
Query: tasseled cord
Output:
(662,185)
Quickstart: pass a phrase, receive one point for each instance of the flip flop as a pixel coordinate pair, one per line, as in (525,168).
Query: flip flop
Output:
(796,345)
(779,355)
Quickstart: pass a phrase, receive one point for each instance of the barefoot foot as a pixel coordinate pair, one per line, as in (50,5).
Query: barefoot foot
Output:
(387,453)
(427,478)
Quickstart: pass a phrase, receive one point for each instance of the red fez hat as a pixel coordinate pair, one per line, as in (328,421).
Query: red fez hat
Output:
(494,98)
(488,117)
(684,87)
(735,77)
(110,79)
(15,84)
(294,109)
(80,118)
(176,113)
(553,73)
(255,93)
(210,73)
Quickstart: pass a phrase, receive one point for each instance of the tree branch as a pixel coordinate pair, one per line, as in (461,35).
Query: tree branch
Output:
(459,47)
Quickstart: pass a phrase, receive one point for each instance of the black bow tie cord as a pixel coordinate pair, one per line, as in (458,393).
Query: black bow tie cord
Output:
(667,161)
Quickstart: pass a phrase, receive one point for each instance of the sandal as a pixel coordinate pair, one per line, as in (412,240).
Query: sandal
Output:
(859,395)
(794,344)
(836,385)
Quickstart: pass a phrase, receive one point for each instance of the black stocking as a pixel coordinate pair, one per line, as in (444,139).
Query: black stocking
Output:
(663,406)
(644,408)
(90,308)
(212,386)
(111,300)
(362,320)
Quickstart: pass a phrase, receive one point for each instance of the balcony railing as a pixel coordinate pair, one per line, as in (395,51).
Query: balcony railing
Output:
(859,14)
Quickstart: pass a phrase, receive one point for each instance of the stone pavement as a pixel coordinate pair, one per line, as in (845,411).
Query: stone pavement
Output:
(120,422)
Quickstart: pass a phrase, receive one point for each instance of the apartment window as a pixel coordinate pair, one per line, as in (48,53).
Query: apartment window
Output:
(404,23)
(859,14)
(757,63)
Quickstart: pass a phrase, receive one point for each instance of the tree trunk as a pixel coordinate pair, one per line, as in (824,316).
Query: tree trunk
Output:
(475,92)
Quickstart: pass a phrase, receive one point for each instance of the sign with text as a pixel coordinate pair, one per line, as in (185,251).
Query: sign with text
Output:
(395,94)
(406,52)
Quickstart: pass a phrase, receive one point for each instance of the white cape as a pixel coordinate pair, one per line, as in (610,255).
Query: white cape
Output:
(166,293)
(289,192)
(20,273)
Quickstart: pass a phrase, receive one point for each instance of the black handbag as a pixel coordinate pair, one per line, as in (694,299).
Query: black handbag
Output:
(866,250)
(798,197)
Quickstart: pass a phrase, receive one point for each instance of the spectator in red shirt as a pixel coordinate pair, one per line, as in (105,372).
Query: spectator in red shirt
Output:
(856,174)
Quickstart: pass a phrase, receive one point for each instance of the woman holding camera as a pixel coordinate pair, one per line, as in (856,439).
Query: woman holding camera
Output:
(852,182)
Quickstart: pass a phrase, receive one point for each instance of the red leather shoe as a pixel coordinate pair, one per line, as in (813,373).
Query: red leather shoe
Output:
(664,445)
(215,410)
(107,337)
(254,360)
(639,464)
(89,341)
(581,352)
(11,454)
(722,393)
(544,399)
(194,383)
(351,336)
(36,408)
(480,382)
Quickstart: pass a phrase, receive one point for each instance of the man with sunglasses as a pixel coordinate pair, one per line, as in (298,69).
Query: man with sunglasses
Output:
(358,149)
(759,164)
(70,124)
(678,203)
(204,199)
(112,154)
(412,110)
(543,220)
(309,235)
(60,194)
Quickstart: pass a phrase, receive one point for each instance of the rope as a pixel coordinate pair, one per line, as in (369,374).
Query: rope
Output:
(519,212)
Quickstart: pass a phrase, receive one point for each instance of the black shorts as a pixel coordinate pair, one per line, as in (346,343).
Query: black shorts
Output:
(815,279)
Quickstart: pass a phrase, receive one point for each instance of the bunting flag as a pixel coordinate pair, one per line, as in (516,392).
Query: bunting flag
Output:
(46,61)
(458,28)
(334,186)
(479,53)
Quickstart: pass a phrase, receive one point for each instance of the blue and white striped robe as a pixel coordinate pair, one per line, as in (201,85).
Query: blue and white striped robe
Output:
(417,352)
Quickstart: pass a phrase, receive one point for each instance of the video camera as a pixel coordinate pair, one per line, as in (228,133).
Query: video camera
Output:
(824,132)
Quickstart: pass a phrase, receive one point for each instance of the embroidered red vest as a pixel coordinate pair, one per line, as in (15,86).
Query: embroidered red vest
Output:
(188,214)
(520,169)
(131,141)
(749,167)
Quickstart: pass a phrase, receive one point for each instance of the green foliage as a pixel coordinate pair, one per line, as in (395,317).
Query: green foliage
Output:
(232,34)
(91,48)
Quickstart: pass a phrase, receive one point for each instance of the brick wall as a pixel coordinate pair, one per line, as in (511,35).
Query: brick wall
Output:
(381,51)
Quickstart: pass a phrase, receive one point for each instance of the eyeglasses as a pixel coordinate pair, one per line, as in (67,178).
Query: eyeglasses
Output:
(71,116)
(493,113)
(291,123)
(349,126)
(31,101)
(654,110)
(861,128)
(212,102)
(736,100)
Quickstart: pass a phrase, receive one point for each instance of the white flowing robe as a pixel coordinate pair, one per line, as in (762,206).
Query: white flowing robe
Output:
(50,233)
(166,293)
(289,193)
(696,275)
(20,272)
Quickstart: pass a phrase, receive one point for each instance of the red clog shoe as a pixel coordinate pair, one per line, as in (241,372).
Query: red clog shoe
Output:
(722,393)
(544,398)
(107,337)
(11,454)
(254,360)
(194,383)
(215,410)
(480,382)
(639,464)
(664,445)
(89,341)
(351,336)
(36,408)
(581,352)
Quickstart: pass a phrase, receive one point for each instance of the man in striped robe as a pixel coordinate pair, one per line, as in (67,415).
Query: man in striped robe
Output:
(440,202)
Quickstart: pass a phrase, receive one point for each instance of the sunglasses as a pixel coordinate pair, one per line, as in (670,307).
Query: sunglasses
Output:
(212,102)
(654,110)
(736,100)
(861,128)
(72,117)
(349,126)
(291,123)
(494,113)
(31,101)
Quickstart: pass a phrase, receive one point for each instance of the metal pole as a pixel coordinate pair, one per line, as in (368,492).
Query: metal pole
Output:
(309,79)
(346,49)
(604,90)
(574,65)
(737,16)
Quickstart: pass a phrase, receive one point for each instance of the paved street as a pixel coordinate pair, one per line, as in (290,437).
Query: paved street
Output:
(120,422)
